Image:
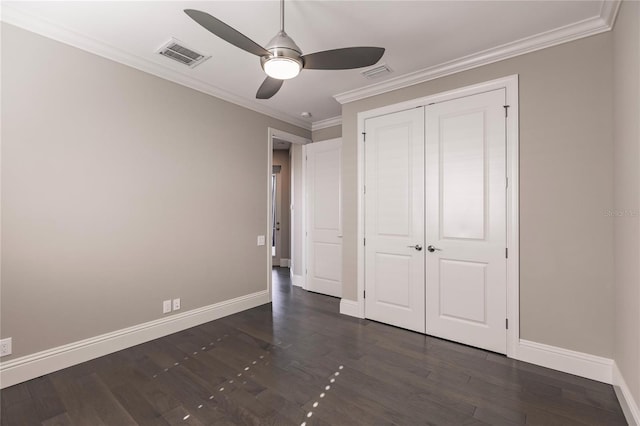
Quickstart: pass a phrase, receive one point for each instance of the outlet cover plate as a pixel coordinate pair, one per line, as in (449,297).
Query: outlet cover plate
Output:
(176,304)
(5,346)
(261,240)
(166,306)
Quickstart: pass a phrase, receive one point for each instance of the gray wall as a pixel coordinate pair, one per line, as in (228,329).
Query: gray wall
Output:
(566,163)
(626,220)
(281,158)
(326,133)
(120,190)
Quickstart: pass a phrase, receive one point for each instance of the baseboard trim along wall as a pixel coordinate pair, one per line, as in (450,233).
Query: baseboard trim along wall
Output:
(350,307)
(628,404)
(297,280)
(285,263)
(572,362)
(35,365)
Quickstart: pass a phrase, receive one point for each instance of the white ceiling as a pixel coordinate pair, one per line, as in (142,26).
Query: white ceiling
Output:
(416,34)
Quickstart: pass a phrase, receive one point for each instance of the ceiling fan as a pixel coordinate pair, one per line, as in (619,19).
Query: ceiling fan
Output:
(281,59)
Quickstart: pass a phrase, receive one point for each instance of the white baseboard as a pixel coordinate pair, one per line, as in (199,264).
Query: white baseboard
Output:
(572,362)
(628,404)
(297,280)
(350,307)
(285,263)
(35,365)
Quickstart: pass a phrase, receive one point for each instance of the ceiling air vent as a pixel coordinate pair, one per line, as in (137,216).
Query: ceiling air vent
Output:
(377,72)
(176,50)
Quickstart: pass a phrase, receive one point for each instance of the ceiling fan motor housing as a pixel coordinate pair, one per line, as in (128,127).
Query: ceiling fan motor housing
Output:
(282,46)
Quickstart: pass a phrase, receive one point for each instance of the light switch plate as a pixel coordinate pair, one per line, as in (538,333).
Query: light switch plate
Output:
(166,306)
(261,240)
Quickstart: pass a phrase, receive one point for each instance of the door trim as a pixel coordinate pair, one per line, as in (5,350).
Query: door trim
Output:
(289,137)
(510,84)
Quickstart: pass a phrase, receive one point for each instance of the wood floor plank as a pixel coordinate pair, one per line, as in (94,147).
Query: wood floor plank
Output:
(59,420)
(20,413)
(47,404)
(137,406)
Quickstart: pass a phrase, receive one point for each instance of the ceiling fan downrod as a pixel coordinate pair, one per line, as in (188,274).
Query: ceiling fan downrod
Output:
(282,15)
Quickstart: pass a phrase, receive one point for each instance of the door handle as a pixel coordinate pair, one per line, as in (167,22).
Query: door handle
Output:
(417,247)
(431,249)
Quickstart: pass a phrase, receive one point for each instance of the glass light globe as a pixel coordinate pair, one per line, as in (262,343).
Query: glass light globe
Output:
(282,68)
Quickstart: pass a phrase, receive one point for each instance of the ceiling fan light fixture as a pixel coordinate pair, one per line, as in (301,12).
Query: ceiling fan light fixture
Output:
(281,68)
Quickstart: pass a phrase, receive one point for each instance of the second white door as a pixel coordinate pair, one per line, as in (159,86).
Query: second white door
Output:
(324,218)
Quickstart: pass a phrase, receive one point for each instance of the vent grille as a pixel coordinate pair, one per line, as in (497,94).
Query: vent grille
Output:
(377,72)
(176,50)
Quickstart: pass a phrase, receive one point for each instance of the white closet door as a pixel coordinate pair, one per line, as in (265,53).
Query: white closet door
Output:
(324,227)
(466,223)
(394,219)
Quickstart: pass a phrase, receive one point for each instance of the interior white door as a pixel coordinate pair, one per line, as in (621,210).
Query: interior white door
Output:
(324,217)
(394,219)
(466,220)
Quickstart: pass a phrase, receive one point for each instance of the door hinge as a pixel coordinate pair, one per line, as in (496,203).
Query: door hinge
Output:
(507,184)
(364,136)
(364,294)
(506,252)
(506,323)
(365,189)
(365,241)
(506,110)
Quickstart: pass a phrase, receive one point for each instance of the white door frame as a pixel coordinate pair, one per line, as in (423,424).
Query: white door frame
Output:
(510,84)
(289,137)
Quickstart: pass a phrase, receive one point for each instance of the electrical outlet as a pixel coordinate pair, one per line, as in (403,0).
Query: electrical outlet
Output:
(261,240)
(176,304)
(5,346)
(166,306)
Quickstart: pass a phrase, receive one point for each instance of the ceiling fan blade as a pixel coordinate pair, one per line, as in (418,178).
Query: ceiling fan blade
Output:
(343,59)
(225,32)
(268,88)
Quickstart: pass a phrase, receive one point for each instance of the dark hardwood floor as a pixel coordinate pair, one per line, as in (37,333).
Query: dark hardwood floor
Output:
(298,361)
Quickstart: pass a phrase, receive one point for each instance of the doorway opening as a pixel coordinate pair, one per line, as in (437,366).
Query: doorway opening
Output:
(285,205)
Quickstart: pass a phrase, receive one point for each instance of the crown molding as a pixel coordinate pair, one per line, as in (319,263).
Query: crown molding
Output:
(585,28)
(609,11)
(48,29)
(329,122)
